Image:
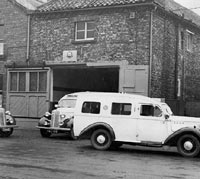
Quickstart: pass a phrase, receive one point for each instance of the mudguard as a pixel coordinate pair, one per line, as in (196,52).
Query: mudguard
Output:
(99,125)
(173,138)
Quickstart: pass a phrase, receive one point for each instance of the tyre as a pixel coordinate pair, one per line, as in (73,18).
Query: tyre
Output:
(45,133)
(6,133)
(101,139)
(188,146)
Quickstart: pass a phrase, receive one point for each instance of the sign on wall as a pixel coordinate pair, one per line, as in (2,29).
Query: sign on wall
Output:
(70,55)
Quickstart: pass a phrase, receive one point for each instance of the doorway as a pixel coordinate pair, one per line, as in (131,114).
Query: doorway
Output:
(69,80)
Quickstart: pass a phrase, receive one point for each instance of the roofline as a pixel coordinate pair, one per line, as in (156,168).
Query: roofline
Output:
(95,8)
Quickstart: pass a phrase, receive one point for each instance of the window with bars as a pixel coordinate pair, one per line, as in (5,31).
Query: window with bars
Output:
(28,81)
(84,31)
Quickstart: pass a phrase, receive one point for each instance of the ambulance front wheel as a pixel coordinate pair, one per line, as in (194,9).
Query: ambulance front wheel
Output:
(45,133)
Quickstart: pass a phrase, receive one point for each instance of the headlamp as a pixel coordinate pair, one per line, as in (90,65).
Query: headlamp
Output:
(10,120)
(62,116)
(8,113)
(47,114)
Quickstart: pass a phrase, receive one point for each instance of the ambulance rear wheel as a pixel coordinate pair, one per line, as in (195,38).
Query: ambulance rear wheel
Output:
(188,146)
(101,139)
(45,133)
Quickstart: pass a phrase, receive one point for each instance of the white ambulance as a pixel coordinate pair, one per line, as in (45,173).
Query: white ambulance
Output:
(113,119)
(60,120)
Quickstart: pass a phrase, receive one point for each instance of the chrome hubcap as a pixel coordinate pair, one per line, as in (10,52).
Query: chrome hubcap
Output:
(101,139)
(188,145)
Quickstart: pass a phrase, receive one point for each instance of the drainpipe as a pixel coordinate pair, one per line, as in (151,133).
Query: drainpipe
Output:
(28,40)
(176,63)
(150,52)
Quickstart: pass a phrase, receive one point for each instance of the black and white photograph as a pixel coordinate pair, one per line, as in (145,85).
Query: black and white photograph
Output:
(99,89)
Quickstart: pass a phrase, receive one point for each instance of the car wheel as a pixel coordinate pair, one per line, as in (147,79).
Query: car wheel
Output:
(188,146)
(45,133)
(6,133)
(101,139)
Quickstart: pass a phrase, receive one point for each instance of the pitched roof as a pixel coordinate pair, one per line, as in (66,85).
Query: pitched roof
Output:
(179,10)
(169,5)
(59,5)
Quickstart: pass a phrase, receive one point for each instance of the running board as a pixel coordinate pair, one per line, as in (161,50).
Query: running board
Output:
(150,144)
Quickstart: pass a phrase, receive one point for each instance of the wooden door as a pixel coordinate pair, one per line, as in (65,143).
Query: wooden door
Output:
(134,79)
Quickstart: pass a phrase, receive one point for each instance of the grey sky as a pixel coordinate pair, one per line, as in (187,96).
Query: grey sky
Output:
(190,4)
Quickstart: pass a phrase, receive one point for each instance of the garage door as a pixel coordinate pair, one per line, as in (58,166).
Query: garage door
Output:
(28,92)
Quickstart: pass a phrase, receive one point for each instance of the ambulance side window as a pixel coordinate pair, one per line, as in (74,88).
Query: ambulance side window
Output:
(150,110)
(121,109)
(146,110)
(91,107)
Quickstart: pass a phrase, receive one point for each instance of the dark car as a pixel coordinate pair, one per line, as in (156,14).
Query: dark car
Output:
(7,123)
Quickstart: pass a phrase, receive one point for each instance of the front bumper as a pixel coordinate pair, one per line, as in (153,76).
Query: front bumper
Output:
(8,126)
(54,128)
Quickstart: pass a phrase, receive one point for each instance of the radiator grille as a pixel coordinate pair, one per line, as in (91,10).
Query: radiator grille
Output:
(55,119)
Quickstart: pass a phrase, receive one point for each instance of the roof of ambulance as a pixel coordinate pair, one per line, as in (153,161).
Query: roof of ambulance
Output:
(111,95)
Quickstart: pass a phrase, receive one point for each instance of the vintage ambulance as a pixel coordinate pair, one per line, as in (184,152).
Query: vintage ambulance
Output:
(60,120)
(112,119)
(7,123)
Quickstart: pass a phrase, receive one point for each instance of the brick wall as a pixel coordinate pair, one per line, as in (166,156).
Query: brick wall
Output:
(164,57)
(118,37)
(192,69)
(15,30)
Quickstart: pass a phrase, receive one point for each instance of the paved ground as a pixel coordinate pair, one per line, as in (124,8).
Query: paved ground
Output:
(25,123)
(26,155)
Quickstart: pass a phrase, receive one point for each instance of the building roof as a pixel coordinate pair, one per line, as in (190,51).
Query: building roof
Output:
(67,5)
(59,5)
(179,10)
(30,4)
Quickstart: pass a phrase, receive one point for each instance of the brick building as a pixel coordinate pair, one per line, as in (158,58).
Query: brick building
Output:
(149,47)
(14,20)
